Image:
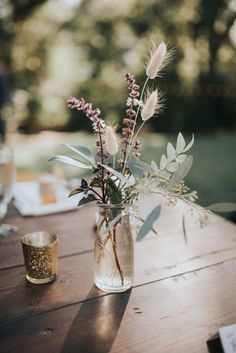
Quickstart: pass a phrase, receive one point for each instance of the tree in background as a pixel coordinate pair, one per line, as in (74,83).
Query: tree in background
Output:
(59,48)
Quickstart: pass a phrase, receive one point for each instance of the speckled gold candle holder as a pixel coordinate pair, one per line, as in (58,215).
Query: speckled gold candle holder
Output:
(40,255)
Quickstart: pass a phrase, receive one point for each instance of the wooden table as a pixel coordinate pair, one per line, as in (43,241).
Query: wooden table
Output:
(181,296)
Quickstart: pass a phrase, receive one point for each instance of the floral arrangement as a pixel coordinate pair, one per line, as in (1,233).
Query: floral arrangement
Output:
(117,174)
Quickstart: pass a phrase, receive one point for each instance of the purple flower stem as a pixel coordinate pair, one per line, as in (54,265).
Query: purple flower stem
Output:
(102,159)
(133,129)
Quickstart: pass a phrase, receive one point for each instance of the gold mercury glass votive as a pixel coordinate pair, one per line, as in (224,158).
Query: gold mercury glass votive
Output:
(40,255)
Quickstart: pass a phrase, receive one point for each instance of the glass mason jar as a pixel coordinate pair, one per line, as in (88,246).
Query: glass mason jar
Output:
(114,249)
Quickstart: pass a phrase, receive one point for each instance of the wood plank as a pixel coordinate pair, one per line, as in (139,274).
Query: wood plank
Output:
(154,260)
(176,314)
(75,229)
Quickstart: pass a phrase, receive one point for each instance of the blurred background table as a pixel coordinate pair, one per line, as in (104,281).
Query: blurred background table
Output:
(181,296)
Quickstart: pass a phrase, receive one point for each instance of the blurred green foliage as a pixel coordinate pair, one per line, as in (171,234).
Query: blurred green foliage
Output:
(57,48)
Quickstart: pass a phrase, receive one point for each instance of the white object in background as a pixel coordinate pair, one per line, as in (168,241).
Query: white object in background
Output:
(228,338)
(29,203)
(7,178)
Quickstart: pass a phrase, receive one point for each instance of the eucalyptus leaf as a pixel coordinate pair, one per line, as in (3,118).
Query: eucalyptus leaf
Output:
(171,167)
(163,162)
(137,162)
(115,173)
(171,153)
(111,225)
(148,223)
(114,193)
(137,171)
(222,207)
(182,171)
(83,151)
(180,158)
(140,219)
(86,199)
(154,165)
(146,167)
(180,143)
(190,144)
(76,191)
(70,161)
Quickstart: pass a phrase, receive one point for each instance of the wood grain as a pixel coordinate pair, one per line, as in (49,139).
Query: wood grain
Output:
(154,260)
(76,229)
(176,314)
(182,292)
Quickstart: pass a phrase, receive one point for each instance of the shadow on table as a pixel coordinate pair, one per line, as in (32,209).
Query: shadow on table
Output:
(23,300)
(95,326)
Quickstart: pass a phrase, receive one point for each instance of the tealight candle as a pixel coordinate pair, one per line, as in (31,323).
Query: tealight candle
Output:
(40,255)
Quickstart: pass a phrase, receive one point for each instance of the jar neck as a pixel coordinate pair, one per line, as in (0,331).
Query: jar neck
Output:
(111,210)
(111,206)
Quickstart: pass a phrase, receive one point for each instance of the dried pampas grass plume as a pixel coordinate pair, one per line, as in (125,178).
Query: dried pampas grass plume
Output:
(111,142)
(158,59)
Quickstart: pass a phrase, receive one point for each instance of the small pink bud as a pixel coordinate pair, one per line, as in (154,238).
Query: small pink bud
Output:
(156,61)
(150,106)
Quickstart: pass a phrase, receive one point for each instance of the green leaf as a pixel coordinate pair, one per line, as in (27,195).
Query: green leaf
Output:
(116,173)
(154,166)
(148,223)
(86,199)
(180,143)
(83,152)
(163,162)
(136,170)
(114,193)
(182,171)
(171,167)
(140,219)
(70,161)
(76,191)
(144,166)
(190,144)
(170,152)
(180,158)
(222,207)
(111,225)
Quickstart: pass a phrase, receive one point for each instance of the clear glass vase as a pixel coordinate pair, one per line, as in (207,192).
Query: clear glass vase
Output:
(114,250)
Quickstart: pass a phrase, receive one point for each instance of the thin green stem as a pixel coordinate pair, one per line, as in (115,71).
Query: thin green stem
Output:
(132,146)
(135,136)
(102,158)
(136,116)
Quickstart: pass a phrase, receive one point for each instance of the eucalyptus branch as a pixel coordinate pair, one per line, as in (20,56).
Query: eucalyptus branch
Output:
(178,196)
